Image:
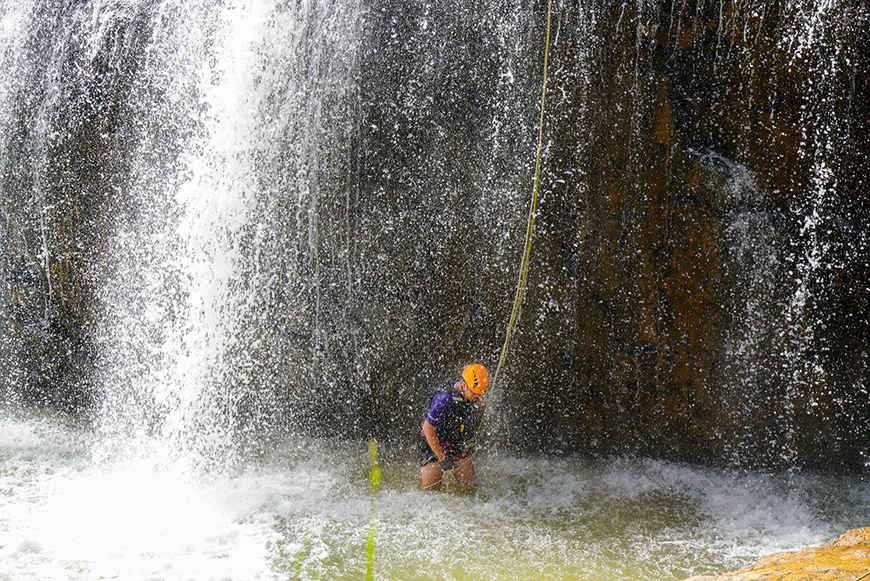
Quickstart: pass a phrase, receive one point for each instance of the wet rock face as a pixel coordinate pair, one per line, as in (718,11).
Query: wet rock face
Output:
(844,559)
(675,308)
(64,165)
(700,269)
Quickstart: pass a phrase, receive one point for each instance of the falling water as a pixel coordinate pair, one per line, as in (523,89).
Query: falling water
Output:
(256,233)
(778,331)
(243,113)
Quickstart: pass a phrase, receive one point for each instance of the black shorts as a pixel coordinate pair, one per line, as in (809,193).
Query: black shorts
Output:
(427,456)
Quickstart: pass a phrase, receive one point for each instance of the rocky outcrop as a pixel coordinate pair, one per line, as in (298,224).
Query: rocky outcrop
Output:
(681,300)
(845,559)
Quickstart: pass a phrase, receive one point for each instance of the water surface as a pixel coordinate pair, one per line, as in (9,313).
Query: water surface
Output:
(303,511)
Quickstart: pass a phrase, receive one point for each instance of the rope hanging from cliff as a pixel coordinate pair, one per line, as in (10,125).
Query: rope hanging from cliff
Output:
(530,225)
(524,264)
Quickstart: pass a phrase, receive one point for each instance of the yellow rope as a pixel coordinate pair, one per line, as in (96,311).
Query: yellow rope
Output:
(304,551)
(530,226)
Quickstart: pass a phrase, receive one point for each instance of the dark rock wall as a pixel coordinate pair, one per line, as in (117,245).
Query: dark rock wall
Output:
(63,170)
(699,280)
(703,208)
(695,119)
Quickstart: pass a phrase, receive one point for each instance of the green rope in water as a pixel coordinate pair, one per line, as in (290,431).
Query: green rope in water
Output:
(303,554)
(375,479)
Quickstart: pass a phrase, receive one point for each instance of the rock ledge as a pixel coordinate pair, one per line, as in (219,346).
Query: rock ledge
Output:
(845,559)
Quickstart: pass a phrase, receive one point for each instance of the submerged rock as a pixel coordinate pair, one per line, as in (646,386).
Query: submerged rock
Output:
(845,559)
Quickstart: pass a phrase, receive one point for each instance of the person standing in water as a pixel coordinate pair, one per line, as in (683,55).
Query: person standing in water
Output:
(449,428)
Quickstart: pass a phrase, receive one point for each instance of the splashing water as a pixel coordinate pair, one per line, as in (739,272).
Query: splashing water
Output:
(303,511)
(213,294)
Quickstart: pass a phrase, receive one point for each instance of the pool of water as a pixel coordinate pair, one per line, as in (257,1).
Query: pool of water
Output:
(305,511)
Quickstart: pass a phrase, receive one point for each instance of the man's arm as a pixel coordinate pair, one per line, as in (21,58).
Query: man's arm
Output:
(432,439)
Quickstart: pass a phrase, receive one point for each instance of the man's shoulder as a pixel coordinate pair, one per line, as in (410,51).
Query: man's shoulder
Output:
(445,387)
(442,396)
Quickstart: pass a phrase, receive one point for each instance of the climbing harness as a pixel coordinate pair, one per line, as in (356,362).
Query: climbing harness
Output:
(459,465)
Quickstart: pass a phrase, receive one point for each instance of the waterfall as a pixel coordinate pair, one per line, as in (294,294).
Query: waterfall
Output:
(240,238)
(244,270)
(226,220)
(214,268)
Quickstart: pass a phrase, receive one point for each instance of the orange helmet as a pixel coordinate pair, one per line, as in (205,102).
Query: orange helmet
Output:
(476,378)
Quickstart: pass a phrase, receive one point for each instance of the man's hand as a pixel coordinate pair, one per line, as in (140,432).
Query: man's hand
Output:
(447,464)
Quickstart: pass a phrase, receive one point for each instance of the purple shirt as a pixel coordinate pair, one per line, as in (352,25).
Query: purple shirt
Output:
(442,405)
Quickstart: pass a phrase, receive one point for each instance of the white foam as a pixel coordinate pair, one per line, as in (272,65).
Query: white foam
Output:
(307,508)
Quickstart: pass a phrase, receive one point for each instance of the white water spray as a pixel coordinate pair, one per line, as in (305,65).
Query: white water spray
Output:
(187,266)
